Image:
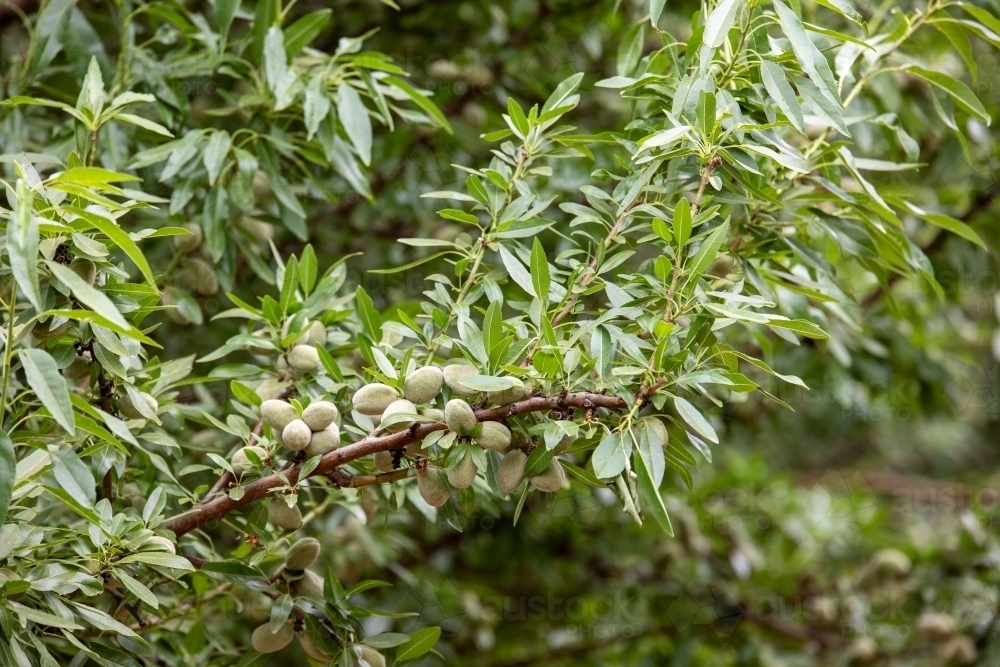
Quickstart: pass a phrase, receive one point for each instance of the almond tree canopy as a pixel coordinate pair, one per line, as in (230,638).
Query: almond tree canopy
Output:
(528,333)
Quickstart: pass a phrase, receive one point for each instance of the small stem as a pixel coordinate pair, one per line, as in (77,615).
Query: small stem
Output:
(587,279)
(8,350)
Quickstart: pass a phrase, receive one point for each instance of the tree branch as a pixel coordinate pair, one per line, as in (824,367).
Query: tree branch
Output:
(223,505)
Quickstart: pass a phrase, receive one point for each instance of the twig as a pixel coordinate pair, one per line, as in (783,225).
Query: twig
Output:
(612,235)
(227,476)
(262,488)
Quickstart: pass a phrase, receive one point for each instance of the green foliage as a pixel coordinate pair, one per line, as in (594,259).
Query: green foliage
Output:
(615,290)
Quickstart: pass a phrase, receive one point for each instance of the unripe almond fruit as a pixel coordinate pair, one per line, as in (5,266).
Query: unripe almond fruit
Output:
(453,376)
(316,335)
(278,414)
(79,368)
(86,269)
(296,435)
(459,417)
(130,411)
(169,298)
(494,436)
(373,399)
(464,474)
(302,554)
(323,442)
(509,395)
(241,462)
(199,277)
(310,649)
(370,655)
(431,487)
(936,624)
(551,479)
(160,543)
(309,586)
(433,413)
(959,650)
(510,474)
(891,561)
(423,385)
(189,242)
(319,415)
(283,516)
(304,359)
(264,641)
(399,407)
(383,461)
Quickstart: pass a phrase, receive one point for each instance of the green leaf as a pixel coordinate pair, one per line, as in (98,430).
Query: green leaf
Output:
(41,617)
(650,494)
(92,91)
(108,656)
(265,15)
(540,278)
(8,471)
(22,245)
(803,327)
(354,117)
(159,559)
(216,152)
(781,92)
(706,254)
(608,460)
(245,393)
(563,91)
(537,462)
(88,295)
(308,269)
(301,33)
(655,10)
(415,263)
(810,59)
(280,611)
(74,477)
(947,222)
(49,386)
(682,222)
(136,588)
(289,283)
(518,120)
(584,476)
(630,49)
(695,419)
(225,10)
(843,8)
(120,238)
(421,642)
(717,27)
(517,271)
(96,318)
(429,107)
(458,216)
(959,92)
(92,176)
(385,639)
(371,320)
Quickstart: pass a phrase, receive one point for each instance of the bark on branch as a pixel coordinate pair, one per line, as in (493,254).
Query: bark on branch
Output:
(329,464)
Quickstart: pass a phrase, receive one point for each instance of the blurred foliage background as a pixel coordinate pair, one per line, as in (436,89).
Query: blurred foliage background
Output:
(828,535)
